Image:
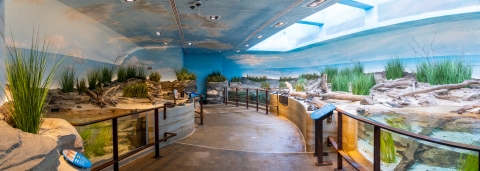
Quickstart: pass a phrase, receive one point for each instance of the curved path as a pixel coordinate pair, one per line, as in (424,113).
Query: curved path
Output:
(235,138)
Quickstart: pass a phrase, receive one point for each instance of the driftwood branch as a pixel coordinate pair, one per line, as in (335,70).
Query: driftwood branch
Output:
(463,109)
(151,98)
(342,96)
(392,84)
(446,86)
(323,84)
(100,96)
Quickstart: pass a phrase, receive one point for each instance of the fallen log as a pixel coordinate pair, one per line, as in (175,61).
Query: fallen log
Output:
(342,96)
(152,100)
(408,154)
(318,103)
(100,95)
(446,86)
(392,84)
(463,109)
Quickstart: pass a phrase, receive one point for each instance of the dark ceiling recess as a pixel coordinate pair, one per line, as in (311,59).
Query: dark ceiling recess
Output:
(232,26)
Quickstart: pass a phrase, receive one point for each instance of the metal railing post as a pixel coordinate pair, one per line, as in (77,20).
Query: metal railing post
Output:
(319,141)
(266,101)
(236,96)
(339,139)
(201,110)
(376,147)
(115,144)
(157,134)
(164,112)
(256,94)
(246,98)
(226,96)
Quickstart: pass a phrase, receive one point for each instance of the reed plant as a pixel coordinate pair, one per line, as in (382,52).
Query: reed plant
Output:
(236,79)
(122,74)
(29,79)
(265,85)
(331,73)
(155,76)
(184,75)
(131,72)
(138,90)
(81,86)
(340,82)
(394,69)
(311,76)
(444,72)
(105,74)
(92,77)
(141,73)
(216,76)
(67,79)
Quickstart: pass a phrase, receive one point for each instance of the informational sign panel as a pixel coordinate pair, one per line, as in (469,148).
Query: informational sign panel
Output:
(323,112)
(76,159)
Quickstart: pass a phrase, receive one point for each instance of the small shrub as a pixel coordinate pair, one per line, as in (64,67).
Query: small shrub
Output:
(300,85)
(81,86)
(141,73)
(92,77)
(155,77)
(444,72)
(394,69)
(138,90)
(236,79)
(362,83)
(331,73)
(67,79)
(310,76)
(105,74)
(216,76)
(283,79)
(265,85)
(184,74)
(282,85)
(256,78)
(122,74)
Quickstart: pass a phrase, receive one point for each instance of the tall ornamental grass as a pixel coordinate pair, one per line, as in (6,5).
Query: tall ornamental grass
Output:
(92,77)
(105,74)
(121,74)
(444,72)
(67,79)
(394,69)
(29,75)
(362,83)
(331,73)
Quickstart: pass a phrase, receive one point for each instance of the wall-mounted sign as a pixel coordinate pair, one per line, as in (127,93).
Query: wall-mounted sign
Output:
(323,112)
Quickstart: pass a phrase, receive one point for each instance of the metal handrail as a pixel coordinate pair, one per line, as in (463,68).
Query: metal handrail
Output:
(116,158)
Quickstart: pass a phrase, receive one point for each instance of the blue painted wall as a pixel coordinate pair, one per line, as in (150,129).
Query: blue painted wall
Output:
(202,65)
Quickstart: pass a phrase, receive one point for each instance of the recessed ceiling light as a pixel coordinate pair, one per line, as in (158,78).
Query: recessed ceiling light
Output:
(238,50)
(158,33)
(315,3)
(246,45)
(190,43)
(129,0)
(259,36)
(279,24)
(165,43)
(214,17)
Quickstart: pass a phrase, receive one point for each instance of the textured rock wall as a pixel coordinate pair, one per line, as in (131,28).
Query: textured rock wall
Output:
(297,113)
(215,92)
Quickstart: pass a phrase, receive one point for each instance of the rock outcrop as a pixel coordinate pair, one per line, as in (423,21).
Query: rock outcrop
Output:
(63,133)
(215,92)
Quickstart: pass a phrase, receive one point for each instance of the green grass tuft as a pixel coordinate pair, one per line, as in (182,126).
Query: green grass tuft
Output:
(155,77)
(310,76)
(184,75)
(67,78)
(468,162)
(444,72)
(29,80)
(283,79)
(121,74)
(340,82)
(105,74)
(216,76)
(131,72)
(265,85)
(331,73)
(141,73)
(236,79)
(394,69)
(387,148)
(257,78)
(81,86)
(362,83)
(300,85)
(92,77)
(138,90)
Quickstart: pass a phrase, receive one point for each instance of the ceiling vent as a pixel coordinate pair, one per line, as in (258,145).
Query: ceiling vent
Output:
(314,3)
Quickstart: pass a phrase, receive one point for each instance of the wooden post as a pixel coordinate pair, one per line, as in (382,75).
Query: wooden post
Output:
(376,147)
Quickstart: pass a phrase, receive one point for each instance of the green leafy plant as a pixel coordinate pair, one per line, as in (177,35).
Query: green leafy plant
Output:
(236,79)
(216,76)
(96,146)
(444,72)
(394,69)
(362,83)
(139,90)
(340,82)
(29,80)
(283,79)
(282,85)
(92,77)
(387,148)
(81,86)
(155,77)
(468,162)
(184,75)
(67,78)
(310,76)
(121,74)
(265,85)
(105,74)
(141,73)
(300,85)
(331,73)
(257,78)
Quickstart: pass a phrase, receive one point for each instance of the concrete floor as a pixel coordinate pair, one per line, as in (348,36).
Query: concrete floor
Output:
(235,138)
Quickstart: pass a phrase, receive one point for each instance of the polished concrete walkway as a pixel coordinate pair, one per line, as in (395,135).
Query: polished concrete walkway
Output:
(235,138)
